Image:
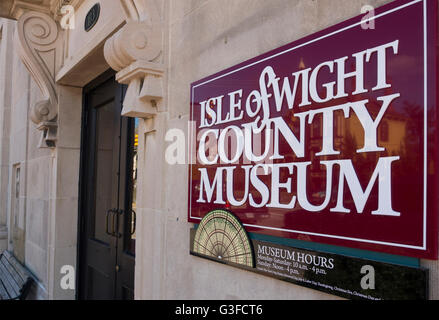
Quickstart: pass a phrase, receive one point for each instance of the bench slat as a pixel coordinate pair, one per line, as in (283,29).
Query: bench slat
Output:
(11,264)
(15,279)
(24,274)
(11,270)
(6,279)
(3,293)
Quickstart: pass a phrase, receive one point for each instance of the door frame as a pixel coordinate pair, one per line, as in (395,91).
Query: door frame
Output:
(81,253)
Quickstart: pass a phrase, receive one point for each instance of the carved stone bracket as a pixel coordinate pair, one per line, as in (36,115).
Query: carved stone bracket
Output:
(49,134)
(134,51)
(144,96)
(39,47)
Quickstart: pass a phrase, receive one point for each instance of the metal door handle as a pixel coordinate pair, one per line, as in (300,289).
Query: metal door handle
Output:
(106,222)
(113,213)
(113,227)
(133,222)
(115,233)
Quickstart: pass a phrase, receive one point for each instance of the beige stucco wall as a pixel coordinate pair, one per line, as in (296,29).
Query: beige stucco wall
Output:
(6,31)
(27,220)
(42,227)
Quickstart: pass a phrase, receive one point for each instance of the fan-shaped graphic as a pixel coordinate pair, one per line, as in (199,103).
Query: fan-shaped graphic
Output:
(220,235)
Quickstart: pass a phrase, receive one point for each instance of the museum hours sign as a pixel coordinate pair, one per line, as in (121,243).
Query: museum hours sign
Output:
(331,139)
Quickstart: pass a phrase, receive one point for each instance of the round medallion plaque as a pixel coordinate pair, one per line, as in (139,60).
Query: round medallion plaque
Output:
(220,235)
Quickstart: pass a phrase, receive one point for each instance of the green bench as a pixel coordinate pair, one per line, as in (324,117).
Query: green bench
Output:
(15,280)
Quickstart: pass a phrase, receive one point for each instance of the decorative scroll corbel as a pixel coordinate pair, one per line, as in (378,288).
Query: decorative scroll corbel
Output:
(144,95)
(38,39)
(133,51)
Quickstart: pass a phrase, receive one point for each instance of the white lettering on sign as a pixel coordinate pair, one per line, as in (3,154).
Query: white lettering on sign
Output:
(234,144)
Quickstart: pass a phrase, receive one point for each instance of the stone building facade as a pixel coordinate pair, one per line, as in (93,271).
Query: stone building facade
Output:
(52,69)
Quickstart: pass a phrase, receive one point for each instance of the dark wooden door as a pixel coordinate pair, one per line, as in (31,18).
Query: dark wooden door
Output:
(107,205)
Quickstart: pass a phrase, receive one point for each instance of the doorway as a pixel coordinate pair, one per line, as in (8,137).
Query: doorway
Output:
(107,194)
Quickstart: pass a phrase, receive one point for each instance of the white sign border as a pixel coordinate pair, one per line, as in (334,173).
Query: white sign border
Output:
(392,244)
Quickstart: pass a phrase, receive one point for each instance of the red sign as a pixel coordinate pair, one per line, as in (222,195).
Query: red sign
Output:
(331,139)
